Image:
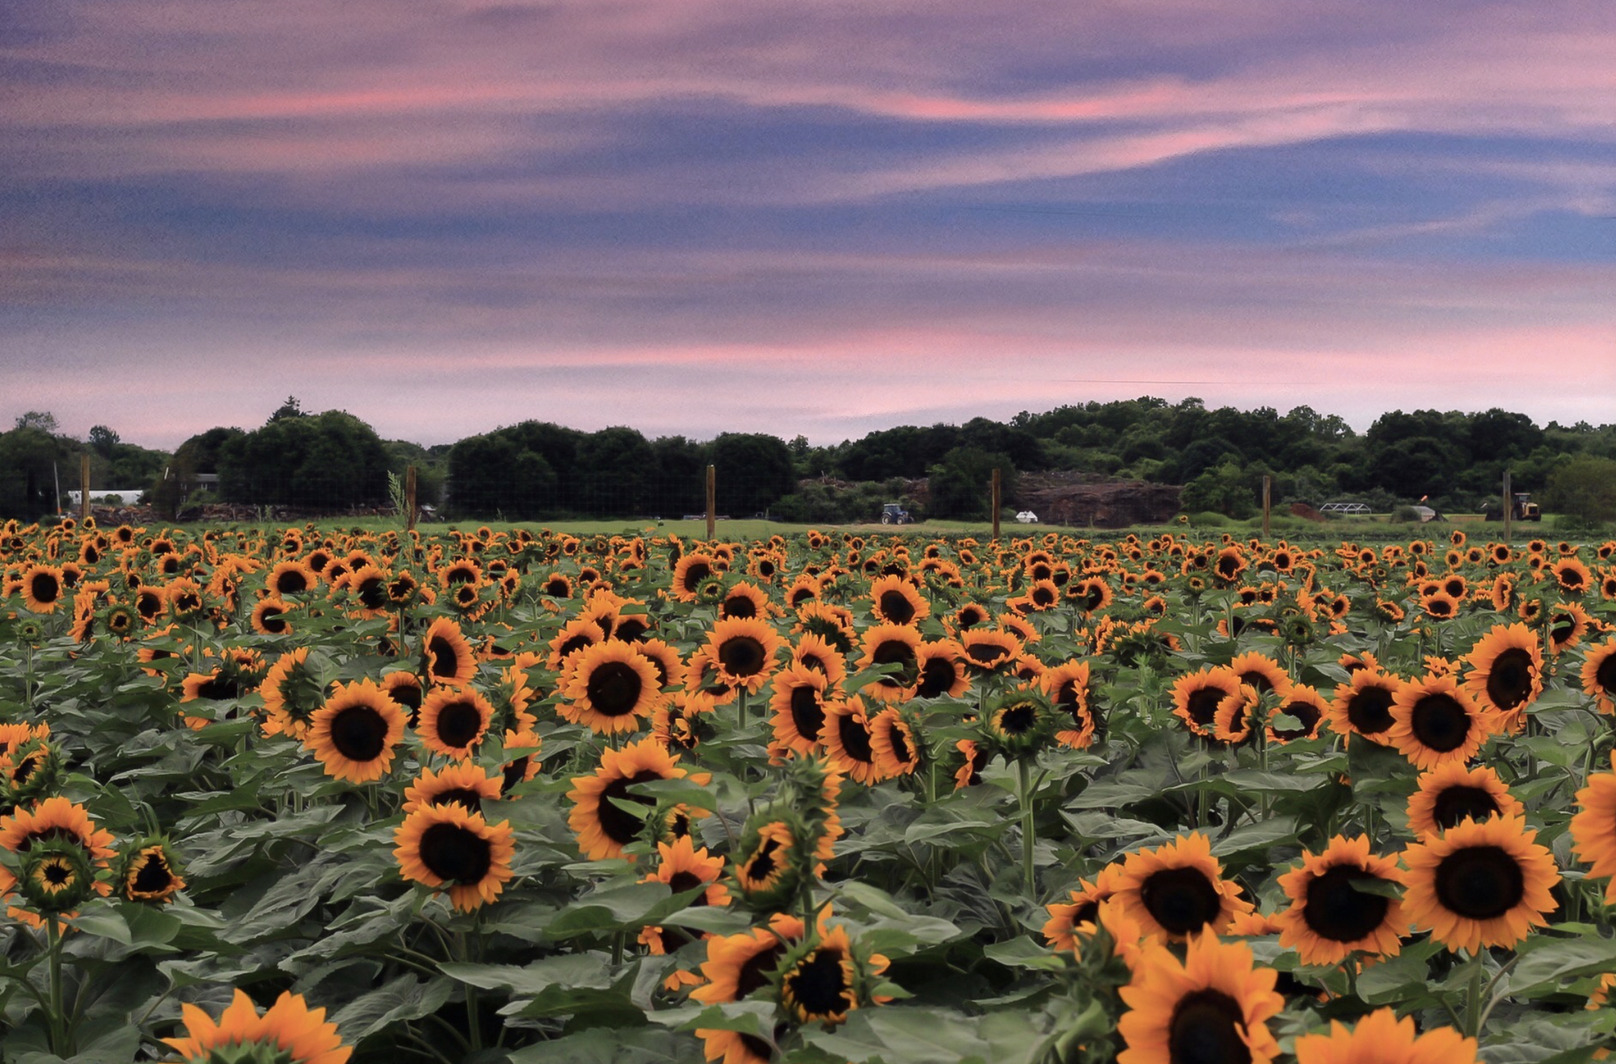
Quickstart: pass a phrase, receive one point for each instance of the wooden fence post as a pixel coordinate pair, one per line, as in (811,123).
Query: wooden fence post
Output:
(409,497)
(712,500)
(1267,498)
(84,486)
(997,505)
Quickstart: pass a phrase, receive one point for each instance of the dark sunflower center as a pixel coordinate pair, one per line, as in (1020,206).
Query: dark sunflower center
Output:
(1018,719)
(1180,899)
(742,655)
(1480,882)
(153,876)
(445,658)
(855,737)
(1306,714)
(631,629)
(1440,723)
(217,689)
(1207,1028)
(899,653)
(682,881)
(896,607)
(614,688)
(57,873)
(455,854)
(753,974)
(273,621)
(695,573)
(291,582)
(936,677)
(762,863)
(1369,710)
(807,713)
(1203,704)
(900,745)
(1509,681)
(1454,804)
(739,606)
(359,733)
(466,797)
(621,825)
(459,724)
(819,985)
(45,587)
(372,593)
(1605,674)
(986,653)
(515,772)
(1335,909)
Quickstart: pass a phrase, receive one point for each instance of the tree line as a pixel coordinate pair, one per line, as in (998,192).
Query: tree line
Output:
(334,461)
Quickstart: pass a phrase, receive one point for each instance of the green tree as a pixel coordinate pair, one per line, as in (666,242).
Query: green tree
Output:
(962,483)
(1226,488)
(617,465)
(103,440)
(329,461)
(29,456)
(1583,488)
(752,471)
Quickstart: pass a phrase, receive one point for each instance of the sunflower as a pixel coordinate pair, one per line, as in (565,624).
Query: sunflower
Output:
(892,644)
(1480,884)
(1211,1008)
(355,733)
(821,984)
(895,600)
(55,818)
(1091,595)
(736,967)
(745,650)
(449,846)
(682,866)
(1506,672)
(1178,889)
(1450,793)
(770,865)
(43,588)
(290,577)
(893,742)
(1568,623)
(987,651)
(1081,907)
(1363,706)
(1572,575)
(453,720)
(1435,721)
(446,656)
(603,827)
(1331,914)
(941,669)
(1593,828)
(689,573)
(1197,695)
(1303,704)
(847,739)
(799,707)
(1262,672)
(1383,1038)
(289,1031)
(1599,675)
(1067,686)
(613,687)
(404,687)
(149,872)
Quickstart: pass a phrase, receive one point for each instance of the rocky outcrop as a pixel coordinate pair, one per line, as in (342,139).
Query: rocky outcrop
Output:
(1091,500)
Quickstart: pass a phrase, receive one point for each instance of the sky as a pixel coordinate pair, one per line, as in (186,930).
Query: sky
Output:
(814,218)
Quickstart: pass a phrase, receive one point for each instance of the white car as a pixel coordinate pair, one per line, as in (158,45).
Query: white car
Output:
(1026,517)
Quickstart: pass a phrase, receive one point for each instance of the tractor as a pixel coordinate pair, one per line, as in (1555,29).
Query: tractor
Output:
(1523,509)
(893,513)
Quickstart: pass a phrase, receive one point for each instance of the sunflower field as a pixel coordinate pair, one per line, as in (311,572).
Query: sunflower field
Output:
(286,795)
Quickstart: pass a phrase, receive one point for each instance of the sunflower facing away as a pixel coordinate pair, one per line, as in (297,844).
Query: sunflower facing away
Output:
(289,1031)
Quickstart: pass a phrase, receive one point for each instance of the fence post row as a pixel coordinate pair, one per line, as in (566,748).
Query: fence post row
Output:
(84,487)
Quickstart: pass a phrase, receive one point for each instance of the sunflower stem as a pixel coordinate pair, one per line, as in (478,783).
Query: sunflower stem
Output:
(474,1023)
(59,1042)
(1027,840)
(1472,1013)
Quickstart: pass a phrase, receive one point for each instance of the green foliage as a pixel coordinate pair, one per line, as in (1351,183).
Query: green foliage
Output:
(1226,489)
(1584,488)
(961,483)
(326,461)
